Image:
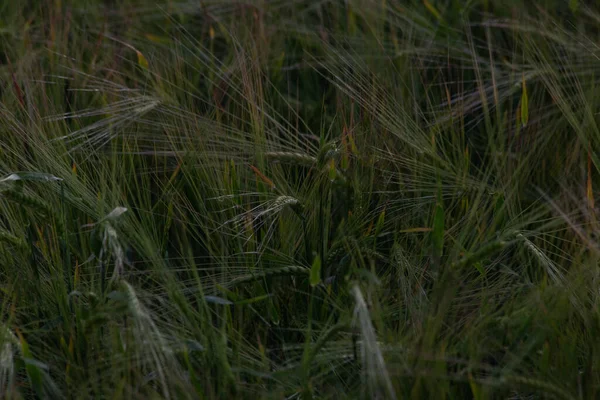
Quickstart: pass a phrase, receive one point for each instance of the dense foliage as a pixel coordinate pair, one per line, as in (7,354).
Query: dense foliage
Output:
(299,199)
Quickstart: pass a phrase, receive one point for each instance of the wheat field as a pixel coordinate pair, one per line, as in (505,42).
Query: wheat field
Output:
(299,199)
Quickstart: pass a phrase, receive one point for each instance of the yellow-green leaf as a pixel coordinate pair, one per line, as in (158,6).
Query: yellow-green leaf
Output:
(32,367)
(253,299)
(315,272)
(380,222)
(432,10)
(573,5)
(142,62)
(157,39)
(353,147)
(479,268)
(524,104)
(332,170)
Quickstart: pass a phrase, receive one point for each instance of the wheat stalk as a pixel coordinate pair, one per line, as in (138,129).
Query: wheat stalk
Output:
(288,270)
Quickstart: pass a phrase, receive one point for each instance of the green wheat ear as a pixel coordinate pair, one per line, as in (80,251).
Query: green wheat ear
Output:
(288,270)
(327,152)
(11,239)
(551,269)
(25,199)
(480,254)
